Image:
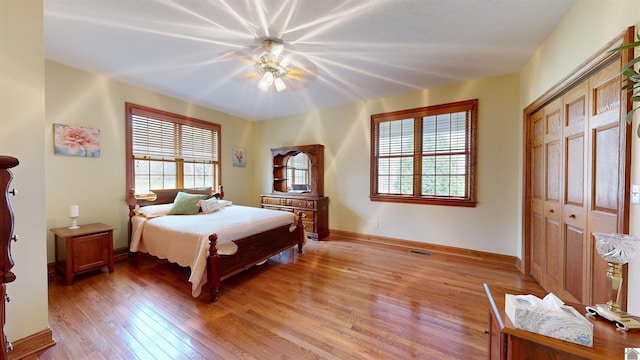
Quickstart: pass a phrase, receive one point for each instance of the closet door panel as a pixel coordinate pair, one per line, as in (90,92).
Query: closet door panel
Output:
(537,196)
(606,173)
(575,243)
(553,256)
(574,281)
(553,194)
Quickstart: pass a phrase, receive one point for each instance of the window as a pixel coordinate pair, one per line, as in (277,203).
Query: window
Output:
(425,155)
(169,151)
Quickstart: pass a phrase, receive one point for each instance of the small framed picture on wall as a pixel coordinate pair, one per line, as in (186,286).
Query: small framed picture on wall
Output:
(239,157)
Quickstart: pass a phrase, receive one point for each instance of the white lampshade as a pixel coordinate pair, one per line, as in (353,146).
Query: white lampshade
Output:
(267,80)
(279,84)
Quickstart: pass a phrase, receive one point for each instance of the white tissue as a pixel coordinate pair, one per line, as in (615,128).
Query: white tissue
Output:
(550,317)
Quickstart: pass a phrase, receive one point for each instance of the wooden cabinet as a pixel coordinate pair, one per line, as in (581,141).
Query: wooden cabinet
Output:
(298,186)
(6,236)
(508,342)
(314,211)
(577,153)
(87,248)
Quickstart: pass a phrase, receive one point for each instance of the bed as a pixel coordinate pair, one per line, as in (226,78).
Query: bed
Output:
(214,245)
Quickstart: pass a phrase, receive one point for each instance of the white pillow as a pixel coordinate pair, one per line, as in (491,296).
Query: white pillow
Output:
(209,205)
(152,211)
(224,203)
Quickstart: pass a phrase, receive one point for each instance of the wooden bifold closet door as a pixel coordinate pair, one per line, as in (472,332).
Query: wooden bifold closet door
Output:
(576,180)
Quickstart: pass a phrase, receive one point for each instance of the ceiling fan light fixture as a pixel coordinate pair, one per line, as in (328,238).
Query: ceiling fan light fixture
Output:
(268,66)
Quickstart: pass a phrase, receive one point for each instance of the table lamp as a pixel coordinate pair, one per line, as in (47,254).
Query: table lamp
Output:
(616,250)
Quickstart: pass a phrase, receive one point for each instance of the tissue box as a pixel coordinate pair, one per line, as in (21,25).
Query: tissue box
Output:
(564,323)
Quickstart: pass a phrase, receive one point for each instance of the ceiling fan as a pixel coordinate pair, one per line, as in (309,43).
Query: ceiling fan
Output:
(269,66)
(277,67)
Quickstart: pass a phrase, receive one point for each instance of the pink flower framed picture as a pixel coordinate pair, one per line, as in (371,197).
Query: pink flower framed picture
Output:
(76,141)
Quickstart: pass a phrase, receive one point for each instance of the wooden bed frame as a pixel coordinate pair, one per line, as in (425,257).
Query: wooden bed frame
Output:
(252,250)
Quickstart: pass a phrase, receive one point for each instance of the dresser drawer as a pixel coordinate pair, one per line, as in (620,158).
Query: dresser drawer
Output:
(308,226)
(297,203)
(307,215)
(272,201)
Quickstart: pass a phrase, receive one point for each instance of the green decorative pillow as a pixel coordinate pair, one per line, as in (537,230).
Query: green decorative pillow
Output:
(186,204)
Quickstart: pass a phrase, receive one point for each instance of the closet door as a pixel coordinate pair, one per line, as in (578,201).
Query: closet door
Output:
(536,160)
(582,161)
(576,246)
(552,211)
(606,169)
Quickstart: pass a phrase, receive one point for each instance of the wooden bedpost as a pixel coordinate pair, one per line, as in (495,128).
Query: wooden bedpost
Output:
(213,268)
(301,234)
(220,192)
(132,202)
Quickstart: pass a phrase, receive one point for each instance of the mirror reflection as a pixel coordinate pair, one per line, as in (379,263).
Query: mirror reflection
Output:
(298,173)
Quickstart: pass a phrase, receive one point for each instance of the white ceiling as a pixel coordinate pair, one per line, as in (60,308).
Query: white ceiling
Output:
(349,51)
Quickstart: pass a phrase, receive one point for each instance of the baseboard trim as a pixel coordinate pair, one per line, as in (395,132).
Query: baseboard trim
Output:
(438,250)
(120,254)
(31,344)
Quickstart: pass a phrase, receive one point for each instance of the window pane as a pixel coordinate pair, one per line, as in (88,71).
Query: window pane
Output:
(458,186)
(396,137)
(429,185)
(156,182)
(198,175)
(142,186)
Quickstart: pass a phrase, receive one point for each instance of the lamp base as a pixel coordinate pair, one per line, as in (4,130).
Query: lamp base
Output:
(74,223)
(622,319)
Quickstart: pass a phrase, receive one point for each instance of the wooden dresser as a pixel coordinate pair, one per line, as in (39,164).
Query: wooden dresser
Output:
(508,342)
(6,236)
(315,211)
(298,186)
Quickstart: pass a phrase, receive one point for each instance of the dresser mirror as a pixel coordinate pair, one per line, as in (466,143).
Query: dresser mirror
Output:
(298,170)
(298,173)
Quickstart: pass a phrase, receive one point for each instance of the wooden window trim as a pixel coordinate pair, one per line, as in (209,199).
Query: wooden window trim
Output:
(470,201)
(139,110)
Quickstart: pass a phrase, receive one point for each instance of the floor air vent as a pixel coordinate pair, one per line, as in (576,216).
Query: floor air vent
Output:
(420,252)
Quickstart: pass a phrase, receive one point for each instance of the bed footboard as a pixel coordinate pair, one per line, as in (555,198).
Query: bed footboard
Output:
(252,250)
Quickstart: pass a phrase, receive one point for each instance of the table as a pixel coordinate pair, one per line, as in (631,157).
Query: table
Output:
(508,342)
(87,248)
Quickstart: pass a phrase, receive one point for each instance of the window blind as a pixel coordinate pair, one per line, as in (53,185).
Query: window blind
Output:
(161,140)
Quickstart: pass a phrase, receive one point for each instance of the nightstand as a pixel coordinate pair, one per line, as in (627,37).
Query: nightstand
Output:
(87,248)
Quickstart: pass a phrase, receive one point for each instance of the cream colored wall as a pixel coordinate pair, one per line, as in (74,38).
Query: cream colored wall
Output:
(344,131)
(22,136)
(97,185)
(586,28)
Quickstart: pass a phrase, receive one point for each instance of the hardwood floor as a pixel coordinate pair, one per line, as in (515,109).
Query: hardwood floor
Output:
(338,300)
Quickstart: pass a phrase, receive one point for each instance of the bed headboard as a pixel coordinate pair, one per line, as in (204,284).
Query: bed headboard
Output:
(166,196)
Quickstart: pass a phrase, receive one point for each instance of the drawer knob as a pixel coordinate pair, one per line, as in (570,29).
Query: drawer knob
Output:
(14,238)
(7,298)
(9,345)
(304,215)
(13,192)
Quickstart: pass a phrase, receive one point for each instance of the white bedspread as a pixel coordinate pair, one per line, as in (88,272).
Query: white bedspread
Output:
(184,239)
